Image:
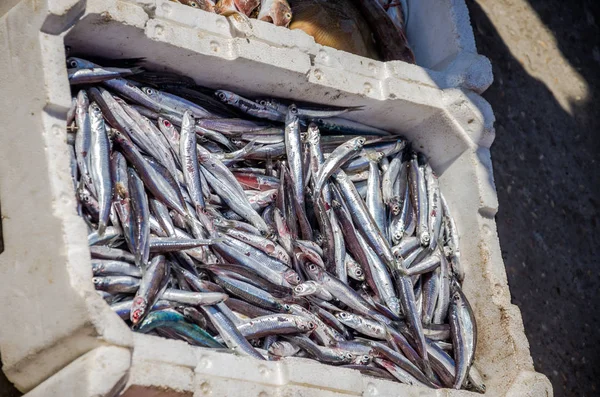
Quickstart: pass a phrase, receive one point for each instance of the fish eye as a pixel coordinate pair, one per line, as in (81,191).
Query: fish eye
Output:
(263,102)
(287,15)
(359,272)
(221,95)
(149,91)
(73,63)
(286,306)
(343,315)
(293,109)
(312,267)
(311,325)
(194,4)
(167,123)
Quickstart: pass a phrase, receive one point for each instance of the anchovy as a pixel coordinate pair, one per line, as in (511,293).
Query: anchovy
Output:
(97,74)
(106,267)
(434,206)
(154,280)
(272,324)
(141,216)
(189,162)
(244,234)
(176,321)
(418,196)
(248,106)
(123,308)
(115,254)
(117,284)
(99,164)
(175,103)
(228,330)
(193,298)
(157,184)
(374,195)
(83,138)
(338,157)
(464,333)
(293,147)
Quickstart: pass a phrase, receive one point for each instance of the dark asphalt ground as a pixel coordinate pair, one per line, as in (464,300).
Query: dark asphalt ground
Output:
(545,165)
(546,170)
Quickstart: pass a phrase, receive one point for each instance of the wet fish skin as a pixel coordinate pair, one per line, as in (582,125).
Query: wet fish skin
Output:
(464,333)
(83,138)
(175,320)
(141,215)
(293,146)
(154,280)
(418,196)
(99,162)
(228,330)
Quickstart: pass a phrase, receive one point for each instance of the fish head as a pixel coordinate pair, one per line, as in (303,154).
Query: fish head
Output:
(278,348)
(306,288)
(98,282)
(73,62)
(363,359)
(319,239)
(165,125)
(283,349)
(83,194)
(292,277)
(455,292)
(356,273)
(95,110)
(281,13)
(358,143)
(151,92)
(313,271)
(305,324)
(348,319)
(346,356)
(138,309)
(226,96)
(425,239)
(292,111)
(397,236)
(267,103)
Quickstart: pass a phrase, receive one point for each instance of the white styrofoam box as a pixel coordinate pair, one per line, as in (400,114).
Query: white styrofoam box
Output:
(53,321)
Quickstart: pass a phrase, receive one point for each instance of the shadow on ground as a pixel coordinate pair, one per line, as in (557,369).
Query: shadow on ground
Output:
(544,164)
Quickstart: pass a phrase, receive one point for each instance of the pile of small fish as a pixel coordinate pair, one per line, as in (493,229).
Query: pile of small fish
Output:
(370,28)
(267,227)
